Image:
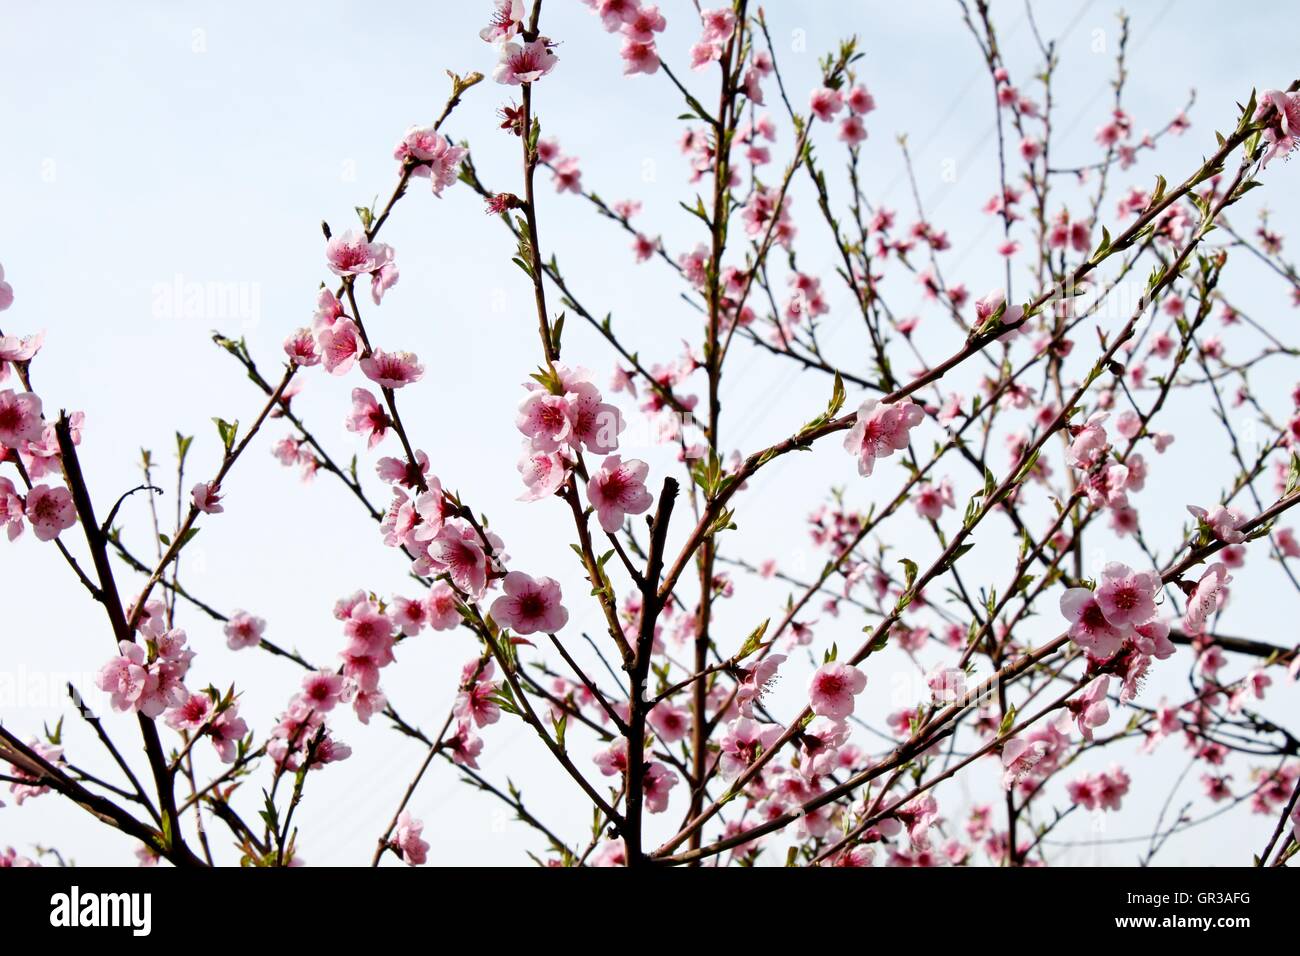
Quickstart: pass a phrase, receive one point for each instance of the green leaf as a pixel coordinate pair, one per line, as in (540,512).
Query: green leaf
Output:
(1008,721)
(754,641)
(837,397)
(227,431)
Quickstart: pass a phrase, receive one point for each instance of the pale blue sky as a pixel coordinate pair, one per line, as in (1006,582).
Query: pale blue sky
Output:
(148,144)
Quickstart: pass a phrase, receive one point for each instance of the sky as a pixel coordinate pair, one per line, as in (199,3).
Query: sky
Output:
(154,147)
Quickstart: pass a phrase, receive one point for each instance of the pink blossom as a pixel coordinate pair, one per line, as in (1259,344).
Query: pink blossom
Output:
(475,702)
(456,549)
(644,23)
(340,345)
(756,682)
(1127,597)
(545,419)
(860,101)
(125,677)
(719,25)
(191,714)
(410,615)
(881,429)
(244,630)
(657,781)
(383,279)
(12,509)
(228,729)
(524,64)
(466,747)
(741,743)
(367,703)
(16,349)
(852,130)
(1090,443)
(618,489)
(353,254)
(1019,758)
(644,249)
(1129,425)
(1223,522)
(543,473)
(367,418)
(930,499)
(370,645)
(596,423)
(612,761)
(322,690)
(392,369)
(820,746)
(1205,600)
(825,103)
(702,54)
(20,418)
(441,602)
(1286,542)
(567,175)
(507,20)
(833,688)
(50,510)
(611,853)
(529,605)
(207,498)
(993,303)
(639,57)
(947,684)
(301,348)
(24,790)
(1284,131)
(670,722)
(1091,709)
(1089,627)
(6,291)
(435,157)
(1152,639)
(614,13)
(413,849)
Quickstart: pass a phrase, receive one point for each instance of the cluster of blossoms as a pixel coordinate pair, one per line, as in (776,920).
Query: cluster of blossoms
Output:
(1120,614)
(1283,133)
(24,786)
(1100,791)
(719,25)
(26,437)
(430,156)
(334,339)
(1108,479)
(638,25)
(519,63)
(148,676)
(658,778)
(49,510)
(566,174)
(372,630)
(824,746)
(561,415)
(563,418)
(828,102)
